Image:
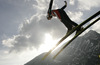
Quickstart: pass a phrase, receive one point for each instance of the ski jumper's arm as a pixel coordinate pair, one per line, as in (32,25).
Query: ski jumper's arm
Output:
(50,7)
(64,5)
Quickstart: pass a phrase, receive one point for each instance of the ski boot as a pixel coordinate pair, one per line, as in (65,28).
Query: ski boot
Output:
(80,29)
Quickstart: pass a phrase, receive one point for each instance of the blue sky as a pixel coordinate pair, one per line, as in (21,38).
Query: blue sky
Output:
(24,27)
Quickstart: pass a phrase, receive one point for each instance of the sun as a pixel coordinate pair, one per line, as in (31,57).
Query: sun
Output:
(48,43)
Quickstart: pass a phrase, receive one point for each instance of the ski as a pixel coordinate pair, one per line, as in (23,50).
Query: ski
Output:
(74,29)
(76,37)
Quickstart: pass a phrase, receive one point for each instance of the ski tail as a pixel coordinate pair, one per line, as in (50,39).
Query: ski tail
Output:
(76,37)
(57,44)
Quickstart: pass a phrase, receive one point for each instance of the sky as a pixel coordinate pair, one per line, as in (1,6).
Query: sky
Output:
(25,32)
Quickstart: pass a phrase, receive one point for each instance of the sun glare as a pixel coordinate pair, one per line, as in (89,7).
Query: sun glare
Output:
(48,43)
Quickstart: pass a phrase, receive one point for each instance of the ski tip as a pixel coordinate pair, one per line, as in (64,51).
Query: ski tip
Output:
(99,56)
(45,56)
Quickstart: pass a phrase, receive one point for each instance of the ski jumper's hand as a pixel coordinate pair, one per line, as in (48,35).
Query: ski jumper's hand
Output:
(65,3)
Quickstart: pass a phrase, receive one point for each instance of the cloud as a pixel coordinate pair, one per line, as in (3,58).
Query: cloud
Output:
(72,2)
(16,58)
(88,4)
(32,31)
(34,28)
(96,26)
(76,16)
(32,34)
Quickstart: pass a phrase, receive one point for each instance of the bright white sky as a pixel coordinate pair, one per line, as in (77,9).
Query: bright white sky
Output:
(25,32)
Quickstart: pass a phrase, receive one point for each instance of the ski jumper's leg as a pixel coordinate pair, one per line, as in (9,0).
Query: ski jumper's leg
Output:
(67,21)
(68,26)
(73,23)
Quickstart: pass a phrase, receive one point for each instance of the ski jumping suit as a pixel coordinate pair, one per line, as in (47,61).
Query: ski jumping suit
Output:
(61,14)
